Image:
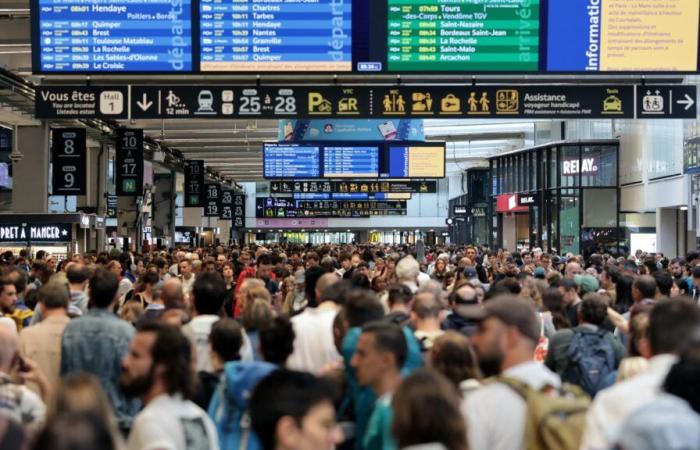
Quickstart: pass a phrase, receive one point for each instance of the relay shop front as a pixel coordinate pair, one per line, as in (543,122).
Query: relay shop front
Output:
(562,197)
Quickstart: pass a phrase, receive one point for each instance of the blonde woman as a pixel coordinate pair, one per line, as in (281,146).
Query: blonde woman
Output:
(256,312)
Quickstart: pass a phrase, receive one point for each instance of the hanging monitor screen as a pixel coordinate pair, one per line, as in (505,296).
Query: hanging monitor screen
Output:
(274,36)
(291,161)
(412,161)
(351,162)
(623,36)
(363,160)
(469,36)
(114,36)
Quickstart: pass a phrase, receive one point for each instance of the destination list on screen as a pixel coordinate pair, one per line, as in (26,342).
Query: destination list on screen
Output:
(474,35)
(269,35)
(120,35)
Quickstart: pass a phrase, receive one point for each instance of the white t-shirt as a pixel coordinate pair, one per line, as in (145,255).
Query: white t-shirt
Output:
(198,330)
(171,423)
(314,347)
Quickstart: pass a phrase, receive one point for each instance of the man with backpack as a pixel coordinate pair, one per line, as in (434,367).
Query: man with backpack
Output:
(587,355)
(526,406)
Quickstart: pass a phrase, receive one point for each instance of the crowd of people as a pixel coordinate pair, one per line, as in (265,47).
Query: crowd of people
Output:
(364,347)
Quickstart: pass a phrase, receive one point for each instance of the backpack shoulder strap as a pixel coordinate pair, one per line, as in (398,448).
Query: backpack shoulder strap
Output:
(518,386)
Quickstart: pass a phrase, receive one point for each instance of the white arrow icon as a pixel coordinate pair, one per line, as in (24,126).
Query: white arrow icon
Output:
(688,102)
(144,104)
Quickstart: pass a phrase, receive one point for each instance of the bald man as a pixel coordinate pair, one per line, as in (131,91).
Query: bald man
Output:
(573,269)
(18,402)
(314,347)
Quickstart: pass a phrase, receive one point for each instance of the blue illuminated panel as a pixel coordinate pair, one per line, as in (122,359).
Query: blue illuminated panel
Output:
(398,162)
(291,161)
(119,35)
(275,36)
(351,162)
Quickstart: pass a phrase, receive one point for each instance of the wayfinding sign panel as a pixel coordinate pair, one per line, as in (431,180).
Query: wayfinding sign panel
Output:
(129,170)
(369,102)
(68,152)
(194,183)
(239,211)
(212,201)
(81,102)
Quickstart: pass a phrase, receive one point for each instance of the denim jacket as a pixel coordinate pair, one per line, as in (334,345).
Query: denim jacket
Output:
(96,344)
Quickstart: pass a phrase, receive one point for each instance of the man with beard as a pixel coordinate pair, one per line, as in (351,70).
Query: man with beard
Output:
(158,370)
(505,344)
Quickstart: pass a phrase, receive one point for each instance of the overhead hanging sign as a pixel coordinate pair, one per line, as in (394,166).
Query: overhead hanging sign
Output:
(353,186)
(239,211)
(212,200)
(194,183)
(81,102)
(226,203)
(351,130)
(129,170)
(386,103)
(68,152)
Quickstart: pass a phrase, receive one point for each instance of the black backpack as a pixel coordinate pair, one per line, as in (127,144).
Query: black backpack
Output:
(591,359)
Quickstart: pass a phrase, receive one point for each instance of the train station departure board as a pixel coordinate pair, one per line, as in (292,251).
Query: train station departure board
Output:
(269,35)
(114,36)
(446,35)
(365,36)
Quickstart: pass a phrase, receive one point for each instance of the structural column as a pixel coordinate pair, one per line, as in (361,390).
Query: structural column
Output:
(30,175)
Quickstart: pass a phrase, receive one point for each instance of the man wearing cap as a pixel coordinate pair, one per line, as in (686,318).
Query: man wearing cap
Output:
(505,343)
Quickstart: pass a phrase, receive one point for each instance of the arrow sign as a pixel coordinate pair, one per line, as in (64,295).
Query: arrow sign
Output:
(688,102)
(144,104)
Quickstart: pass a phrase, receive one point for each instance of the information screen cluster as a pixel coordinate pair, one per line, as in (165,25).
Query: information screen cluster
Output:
(365,36)
(383,160)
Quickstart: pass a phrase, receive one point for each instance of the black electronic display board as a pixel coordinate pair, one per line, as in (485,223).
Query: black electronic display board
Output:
(365,36)
(76,36)
(212,200)
(194,183)
(129,166)
(359,160)
(68,151)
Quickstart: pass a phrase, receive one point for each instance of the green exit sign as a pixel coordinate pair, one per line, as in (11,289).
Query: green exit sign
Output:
(129,186)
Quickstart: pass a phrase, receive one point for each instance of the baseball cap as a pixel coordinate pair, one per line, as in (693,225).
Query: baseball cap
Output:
(470,272)
(540,273)
(508,309)
(587,282)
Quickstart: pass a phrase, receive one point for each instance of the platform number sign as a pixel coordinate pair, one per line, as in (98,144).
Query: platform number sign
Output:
(212,203)
(68,152)
(226,211)
(129,165)
(194,183)
(239,211)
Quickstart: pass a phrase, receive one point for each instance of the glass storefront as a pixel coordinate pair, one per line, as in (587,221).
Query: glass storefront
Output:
(568,193)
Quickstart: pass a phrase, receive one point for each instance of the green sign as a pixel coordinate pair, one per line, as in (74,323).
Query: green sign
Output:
(446,35)
(129,186)
(194,200)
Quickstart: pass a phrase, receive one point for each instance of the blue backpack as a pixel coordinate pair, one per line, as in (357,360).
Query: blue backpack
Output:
(591,361)
(229,405)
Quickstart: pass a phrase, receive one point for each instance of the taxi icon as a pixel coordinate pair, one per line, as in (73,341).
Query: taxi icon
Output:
(612,103)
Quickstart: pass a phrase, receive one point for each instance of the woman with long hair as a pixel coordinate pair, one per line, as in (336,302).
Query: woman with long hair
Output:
(426,411)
